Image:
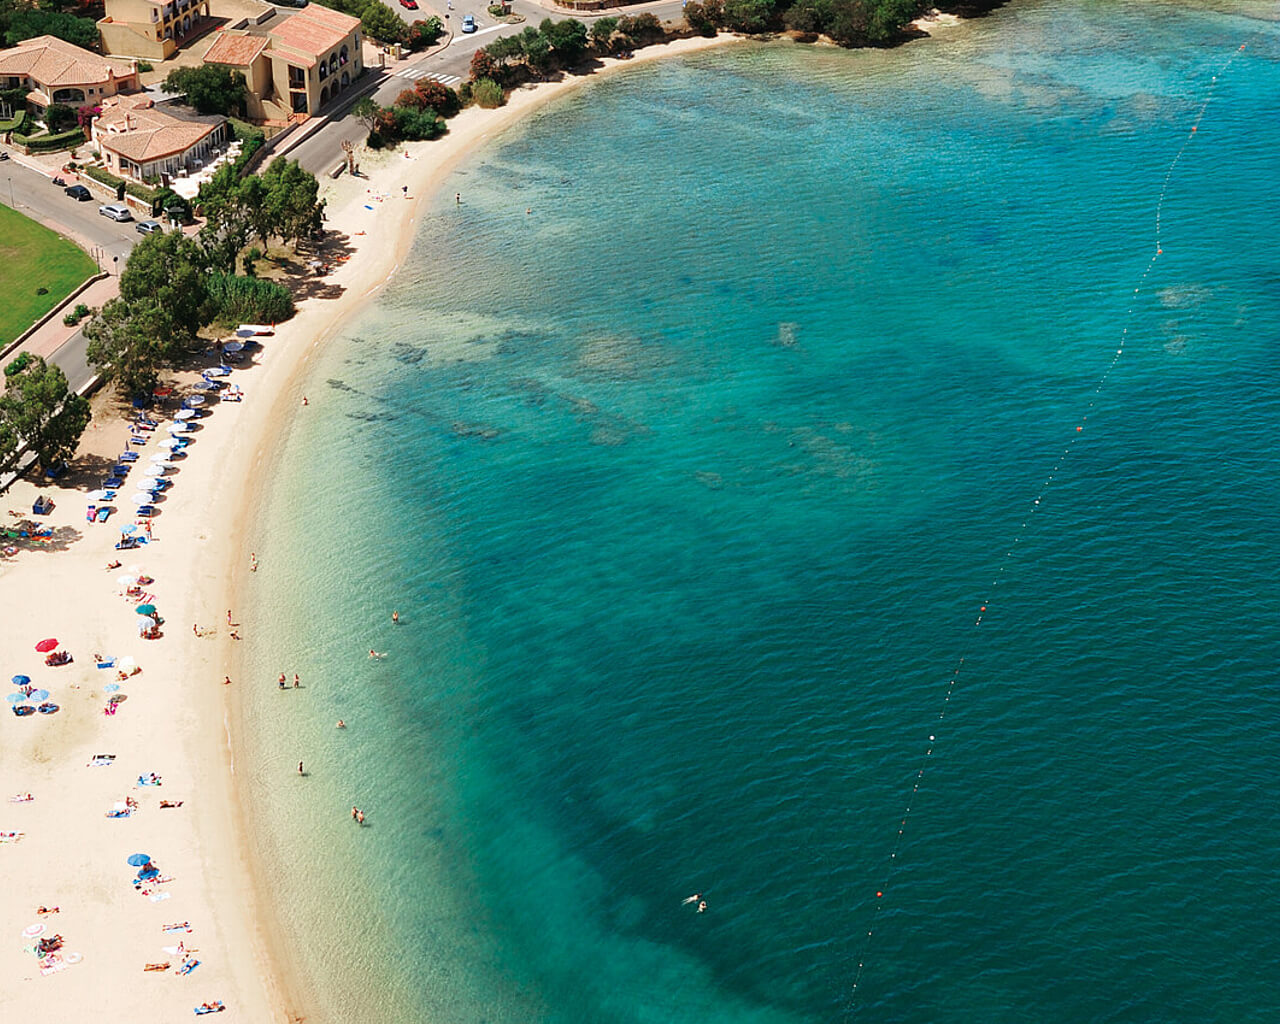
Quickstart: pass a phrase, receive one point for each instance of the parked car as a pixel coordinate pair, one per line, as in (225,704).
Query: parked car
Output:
(79,192)
(409,5)
(148,227)
(116,211)
(468,23)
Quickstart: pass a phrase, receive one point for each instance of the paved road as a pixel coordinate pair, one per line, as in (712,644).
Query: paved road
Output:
(322,150)
(32,194)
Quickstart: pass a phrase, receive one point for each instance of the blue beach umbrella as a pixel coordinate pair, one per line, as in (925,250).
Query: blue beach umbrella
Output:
(128,528)
(146,609)
(36,696)
(21,680)
(111,687)
(138,860)
(15,698)
(149,872)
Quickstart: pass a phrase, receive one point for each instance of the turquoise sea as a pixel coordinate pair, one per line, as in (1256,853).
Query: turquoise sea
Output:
(688,486)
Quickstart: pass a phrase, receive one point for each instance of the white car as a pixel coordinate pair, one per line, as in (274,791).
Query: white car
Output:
(115,211)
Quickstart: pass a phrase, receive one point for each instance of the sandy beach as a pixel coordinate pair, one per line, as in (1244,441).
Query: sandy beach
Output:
(66,852)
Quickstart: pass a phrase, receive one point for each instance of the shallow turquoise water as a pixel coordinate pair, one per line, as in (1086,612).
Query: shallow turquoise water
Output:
(688,485)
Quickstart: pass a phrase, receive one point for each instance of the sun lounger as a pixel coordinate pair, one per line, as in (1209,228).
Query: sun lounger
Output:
(145,512)
(107,663)
(103,513)
(137,439)
(120,469)
(127,457)
(112,483)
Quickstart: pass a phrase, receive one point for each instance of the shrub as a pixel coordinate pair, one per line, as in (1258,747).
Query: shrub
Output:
(59,117)
(50,143)
(103,175)
(438,96)
(145,66)
(487,93)
(424,33)
(18,365)
(249,299)
(76,315)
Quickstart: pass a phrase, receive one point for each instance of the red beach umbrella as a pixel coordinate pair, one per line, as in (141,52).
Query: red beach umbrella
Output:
(45,646)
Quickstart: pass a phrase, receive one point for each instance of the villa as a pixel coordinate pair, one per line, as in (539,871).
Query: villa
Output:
(153,29)
(295,67)
(139,140)
(55,71)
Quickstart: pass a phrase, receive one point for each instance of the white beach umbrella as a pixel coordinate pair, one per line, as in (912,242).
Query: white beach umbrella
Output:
(126,581)
(141,498)
(171,442)
(96,495)
(181,427)
(185,414)
(191,401)
(157,469)
(162,459)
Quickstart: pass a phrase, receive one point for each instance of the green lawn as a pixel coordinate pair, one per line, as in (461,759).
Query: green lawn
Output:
(33,257)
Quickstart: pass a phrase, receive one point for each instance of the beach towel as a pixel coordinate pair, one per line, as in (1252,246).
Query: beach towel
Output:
(11,837)
(188,966)
(52,964)
(107,663)
(214,1007)
(156,897)
(101,760)
(181,926)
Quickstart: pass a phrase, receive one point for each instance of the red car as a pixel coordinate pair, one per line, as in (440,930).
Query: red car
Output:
(409,5)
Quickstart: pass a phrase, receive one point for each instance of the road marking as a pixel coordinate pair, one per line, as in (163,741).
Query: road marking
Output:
(415,73)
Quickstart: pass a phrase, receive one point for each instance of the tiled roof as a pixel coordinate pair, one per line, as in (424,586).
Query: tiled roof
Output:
(55,63)
(142,133)
(234,49)
(315,30)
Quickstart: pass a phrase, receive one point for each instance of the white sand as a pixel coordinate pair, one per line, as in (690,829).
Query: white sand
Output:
(174,720)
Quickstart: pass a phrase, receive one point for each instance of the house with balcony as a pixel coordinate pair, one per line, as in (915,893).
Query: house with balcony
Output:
(147,142)
(295,66)
(55,71)
(151,29)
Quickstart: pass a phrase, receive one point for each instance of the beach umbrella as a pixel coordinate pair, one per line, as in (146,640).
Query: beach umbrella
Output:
(162,459)
(146,609)
(145,623)
(36,696)
(154,470)
(32,931)
(127,665)
(138,860)
(232,346)
(206,385)
(45,646)
(216,371)
(127,529)
(98,495)
(15,698)
(21,680)
(185,414)
(142,498)
(191,401)
(181,427)
(173,442)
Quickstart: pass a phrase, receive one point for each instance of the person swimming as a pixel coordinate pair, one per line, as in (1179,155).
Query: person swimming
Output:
(691,899)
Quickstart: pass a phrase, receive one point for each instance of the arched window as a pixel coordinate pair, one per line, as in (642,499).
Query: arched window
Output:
(342,55)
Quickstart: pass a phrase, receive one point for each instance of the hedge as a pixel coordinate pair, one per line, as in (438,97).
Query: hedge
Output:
(144,192)
(103,175)
(47,143)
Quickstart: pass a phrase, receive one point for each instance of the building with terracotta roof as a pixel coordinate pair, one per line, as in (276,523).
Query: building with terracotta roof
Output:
(153,29)
(55,71)
(137,139)
(295,64)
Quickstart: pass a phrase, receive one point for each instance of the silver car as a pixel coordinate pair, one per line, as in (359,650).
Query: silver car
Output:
(148,227)
(115,211)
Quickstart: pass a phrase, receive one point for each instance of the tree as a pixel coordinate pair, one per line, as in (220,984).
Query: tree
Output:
(417,125)
(748,15)
(292,199)
(380,22)
(27,23)
(537,52)
(643,28)
(602,30)
(695,16)
(568,38)
(811,16)
(126,345)
(424,33)
(484,66)
(210,88)
(365,111)
(168,269)
(37,407)
(228,225)
(438,96)
(59,117)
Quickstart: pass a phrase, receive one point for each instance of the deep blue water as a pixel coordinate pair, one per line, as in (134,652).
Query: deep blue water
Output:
(688,486)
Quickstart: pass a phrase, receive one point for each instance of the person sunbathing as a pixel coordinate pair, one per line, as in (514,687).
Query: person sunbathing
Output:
(48,910)
(170,803)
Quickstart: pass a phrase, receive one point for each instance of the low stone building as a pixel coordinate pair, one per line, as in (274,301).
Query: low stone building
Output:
(153,29)
(151,143)
(55,71)
(293,66)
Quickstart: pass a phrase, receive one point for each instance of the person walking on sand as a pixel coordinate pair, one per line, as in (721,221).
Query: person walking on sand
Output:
(229,622)
(253,561)
(457,198)
(226,681)
(300,772)
(296,681)
(280,681)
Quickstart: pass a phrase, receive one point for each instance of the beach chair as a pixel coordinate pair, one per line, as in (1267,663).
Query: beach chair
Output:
(137,439)
(120,469)
(144,512)
(112,483)
(104,513)
(127,457)
(42,506)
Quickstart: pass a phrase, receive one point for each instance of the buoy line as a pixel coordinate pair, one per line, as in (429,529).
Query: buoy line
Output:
(852,1003)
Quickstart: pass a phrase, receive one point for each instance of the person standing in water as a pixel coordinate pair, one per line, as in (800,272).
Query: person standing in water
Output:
(395,617)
